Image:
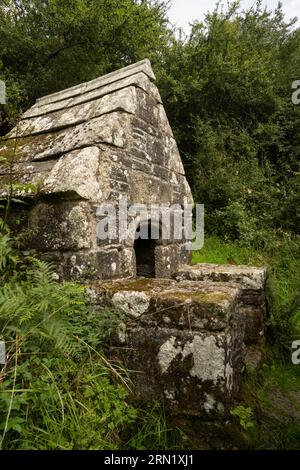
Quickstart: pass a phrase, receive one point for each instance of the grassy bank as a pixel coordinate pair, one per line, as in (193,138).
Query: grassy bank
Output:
(282,259)
(269,398)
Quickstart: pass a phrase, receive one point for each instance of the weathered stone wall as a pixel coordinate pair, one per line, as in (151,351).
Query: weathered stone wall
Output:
(182,341)
(252,299)
(187,340)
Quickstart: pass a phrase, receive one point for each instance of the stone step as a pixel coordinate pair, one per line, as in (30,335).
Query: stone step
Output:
(249,277)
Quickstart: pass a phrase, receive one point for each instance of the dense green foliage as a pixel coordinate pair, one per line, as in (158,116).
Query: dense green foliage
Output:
(56,368)
(49,45)
(228,95)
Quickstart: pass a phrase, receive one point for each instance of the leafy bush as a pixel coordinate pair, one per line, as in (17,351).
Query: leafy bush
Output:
(7,257)
(227,90)
(244,415)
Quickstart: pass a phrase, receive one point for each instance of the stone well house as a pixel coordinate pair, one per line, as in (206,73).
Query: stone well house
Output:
(190,325)
(91,144)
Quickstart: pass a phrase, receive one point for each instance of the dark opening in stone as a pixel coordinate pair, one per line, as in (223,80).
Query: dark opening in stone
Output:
(144,254)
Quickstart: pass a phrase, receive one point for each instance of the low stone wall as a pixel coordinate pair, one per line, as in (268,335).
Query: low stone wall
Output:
(252,299)
(183,340)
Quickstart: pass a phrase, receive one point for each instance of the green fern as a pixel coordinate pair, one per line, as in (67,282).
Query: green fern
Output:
(52,336)
(7,256)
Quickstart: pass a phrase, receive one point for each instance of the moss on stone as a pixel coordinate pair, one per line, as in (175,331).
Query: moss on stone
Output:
(199,297)
(12,148)
(167,289)
(139,285)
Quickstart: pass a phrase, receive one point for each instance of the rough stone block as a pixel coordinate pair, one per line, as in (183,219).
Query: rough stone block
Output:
(183,341)
(138,80)
(143,66)
(252,299)
(76,173)
(61,225)
(169,258)
(108,263)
